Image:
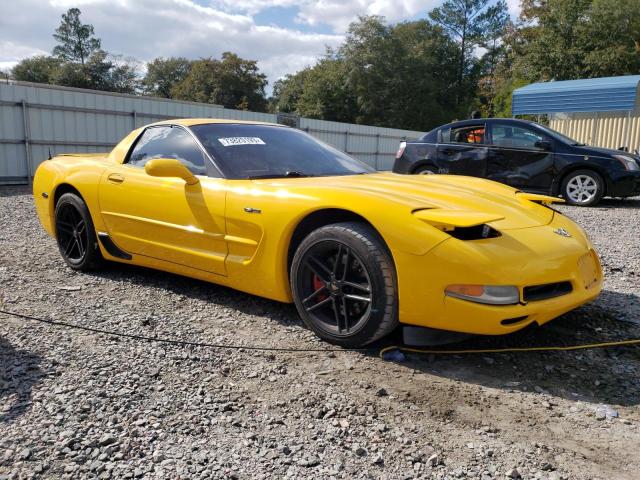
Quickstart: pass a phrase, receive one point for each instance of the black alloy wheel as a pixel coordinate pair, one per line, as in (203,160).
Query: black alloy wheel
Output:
(75,233)
(343,283)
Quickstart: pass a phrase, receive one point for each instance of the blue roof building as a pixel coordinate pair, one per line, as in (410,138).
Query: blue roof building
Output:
(599,111)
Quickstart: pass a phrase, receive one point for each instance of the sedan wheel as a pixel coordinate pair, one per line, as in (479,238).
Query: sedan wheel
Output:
(583,187)
(343,284)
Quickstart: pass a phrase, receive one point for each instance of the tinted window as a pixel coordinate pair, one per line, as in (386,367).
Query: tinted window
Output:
(250,151)
(507,136)
(168,142)
(466,134)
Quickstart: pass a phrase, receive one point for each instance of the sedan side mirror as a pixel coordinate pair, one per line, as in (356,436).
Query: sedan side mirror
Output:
(543,144)
(169,167)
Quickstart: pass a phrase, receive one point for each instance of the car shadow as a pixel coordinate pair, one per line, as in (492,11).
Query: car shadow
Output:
(596,376)
(19,372)
(631,202)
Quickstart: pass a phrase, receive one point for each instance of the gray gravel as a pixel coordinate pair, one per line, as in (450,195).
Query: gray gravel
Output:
(79,405)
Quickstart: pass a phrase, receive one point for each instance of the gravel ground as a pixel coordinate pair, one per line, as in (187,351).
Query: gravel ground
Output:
(80,405)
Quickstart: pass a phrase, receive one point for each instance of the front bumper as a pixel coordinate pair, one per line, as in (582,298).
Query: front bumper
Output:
(625,185)
(523,257)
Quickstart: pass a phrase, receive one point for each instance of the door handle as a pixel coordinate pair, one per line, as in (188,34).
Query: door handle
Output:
(115,178)
(447,151)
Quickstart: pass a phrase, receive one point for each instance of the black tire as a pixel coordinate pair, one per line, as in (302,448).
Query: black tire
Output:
(425,170)
(583,188)
(344,284)
(75,234)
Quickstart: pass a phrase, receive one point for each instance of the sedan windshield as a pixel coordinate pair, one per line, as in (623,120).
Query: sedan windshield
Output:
(560,136)
(245,151)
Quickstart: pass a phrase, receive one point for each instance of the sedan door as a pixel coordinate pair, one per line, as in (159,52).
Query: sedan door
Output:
(165,218)
(520,156)
(462,150)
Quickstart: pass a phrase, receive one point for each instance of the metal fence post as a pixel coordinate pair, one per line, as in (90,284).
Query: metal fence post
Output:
(27,138)
(594,130)
(627,132)
(346,141)
(377,151)
(135,119)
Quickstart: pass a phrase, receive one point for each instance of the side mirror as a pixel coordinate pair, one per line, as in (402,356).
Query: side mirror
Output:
(169,167)
(543,144)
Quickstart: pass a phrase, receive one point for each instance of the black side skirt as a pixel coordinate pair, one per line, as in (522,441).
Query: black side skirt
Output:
(111,247)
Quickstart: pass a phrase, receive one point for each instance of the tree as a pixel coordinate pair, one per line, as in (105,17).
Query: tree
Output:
(76,40)
(38,69)
(232,82)
(163,74)
(287,92)
(570,39)
(326,95)
(469,22)
(100,72)
(611,38)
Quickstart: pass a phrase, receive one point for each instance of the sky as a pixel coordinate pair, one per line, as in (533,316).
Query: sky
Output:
(284,36)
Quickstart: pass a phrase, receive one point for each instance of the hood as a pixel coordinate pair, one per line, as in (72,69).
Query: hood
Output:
(603,152)
(415,192)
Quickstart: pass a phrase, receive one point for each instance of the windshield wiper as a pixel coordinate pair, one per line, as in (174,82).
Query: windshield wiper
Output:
(287,174)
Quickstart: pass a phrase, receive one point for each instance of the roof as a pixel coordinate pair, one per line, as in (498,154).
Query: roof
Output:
(589,95)
(188,122)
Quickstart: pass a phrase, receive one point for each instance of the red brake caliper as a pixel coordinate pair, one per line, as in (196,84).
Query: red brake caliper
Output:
(317,284)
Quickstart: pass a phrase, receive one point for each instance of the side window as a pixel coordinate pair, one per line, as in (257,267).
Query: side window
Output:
(507,136)
(168,142)
(467,134)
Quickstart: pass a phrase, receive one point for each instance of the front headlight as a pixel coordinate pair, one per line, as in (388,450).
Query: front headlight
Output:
(627,162)
(488,294)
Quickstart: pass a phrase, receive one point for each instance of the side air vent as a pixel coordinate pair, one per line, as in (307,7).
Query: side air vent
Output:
(546,291)
(477,232)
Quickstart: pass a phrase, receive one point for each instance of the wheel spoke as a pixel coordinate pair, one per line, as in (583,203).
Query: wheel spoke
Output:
(336,314)
(345,313)
(346,265)
(338,260)
(312,263)
(359,298)
(69,248)
(314,294)
(319,304)
(358,286)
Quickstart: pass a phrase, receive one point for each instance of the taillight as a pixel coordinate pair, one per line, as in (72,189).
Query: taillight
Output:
(403,145)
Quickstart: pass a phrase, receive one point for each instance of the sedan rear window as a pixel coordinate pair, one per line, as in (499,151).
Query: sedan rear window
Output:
(244,151)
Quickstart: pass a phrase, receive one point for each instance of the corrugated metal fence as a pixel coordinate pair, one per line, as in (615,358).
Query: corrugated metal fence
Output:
(600,129)
(36,119)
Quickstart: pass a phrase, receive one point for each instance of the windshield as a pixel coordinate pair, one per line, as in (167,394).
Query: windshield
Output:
(245,151)
(560,136)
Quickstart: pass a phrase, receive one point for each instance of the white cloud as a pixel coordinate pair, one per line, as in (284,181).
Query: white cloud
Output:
(339,13)
(514,8)
(146,29)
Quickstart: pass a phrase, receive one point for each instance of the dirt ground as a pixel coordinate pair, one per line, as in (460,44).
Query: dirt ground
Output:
(79,405)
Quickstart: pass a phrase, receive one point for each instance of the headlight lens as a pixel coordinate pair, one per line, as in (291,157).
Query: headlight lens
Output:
(488,294)
(628,163)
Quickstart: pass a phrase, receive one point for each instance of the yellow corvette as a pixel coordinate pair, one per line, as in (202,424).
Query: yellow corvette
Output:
(271,211)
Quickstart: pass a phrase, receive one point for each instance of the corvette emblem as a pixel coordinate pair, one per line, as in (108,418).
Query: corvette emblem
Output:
(562,232)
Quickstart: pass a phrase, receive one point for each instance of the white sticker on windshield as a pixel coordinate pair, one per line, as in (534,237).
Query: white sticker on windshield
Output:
(233,141)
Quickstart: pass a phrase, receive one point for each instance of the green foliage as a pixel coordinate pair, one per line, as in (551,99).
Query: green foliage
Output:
(232,82)
(399,76)
(38,69)
(163,74)
(570,39)
(76,42)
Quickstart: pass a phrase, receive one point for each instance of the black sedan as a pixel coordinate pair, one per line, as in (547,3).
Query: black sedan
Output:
(525,155)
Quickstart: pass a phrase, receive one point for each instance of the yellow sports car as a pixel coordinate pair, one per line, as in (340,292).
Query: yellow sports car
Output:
(272,211)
